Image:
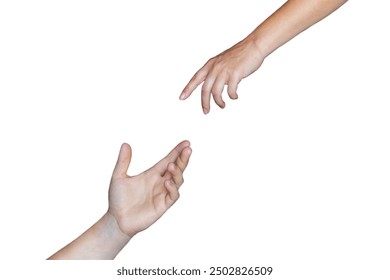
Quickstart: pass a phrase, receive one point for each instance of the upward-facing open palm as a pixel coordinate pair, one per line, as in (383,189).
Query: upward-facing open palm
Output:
(137,202)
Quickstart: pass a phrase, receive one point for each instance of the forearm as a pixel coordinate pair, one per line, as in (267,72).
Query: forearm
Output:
(289,20)
(102,241)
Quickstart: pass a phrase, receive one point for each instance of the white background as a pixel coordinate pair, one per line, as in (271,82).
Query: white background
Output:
(293,175)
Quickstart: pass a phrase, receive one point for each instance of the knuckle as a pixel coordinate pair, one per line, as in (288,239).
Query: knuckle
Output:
(205,91)
(198,75)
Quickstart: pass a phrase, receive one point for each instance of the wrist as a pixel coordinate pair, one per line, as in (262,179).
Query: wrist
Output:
(113,229)
(259,43)
(103,240)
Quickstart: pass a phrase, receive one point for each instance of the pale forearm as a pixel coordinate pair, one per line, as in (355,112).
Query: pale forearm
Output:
(102,241)
(289,20)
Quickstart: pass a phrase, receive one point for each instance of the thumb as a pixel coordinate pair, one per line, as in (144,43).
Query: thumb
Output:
(123,161)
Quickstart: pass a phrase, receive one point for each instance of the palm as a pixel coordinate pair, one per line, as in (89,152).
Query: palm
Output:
(138,201)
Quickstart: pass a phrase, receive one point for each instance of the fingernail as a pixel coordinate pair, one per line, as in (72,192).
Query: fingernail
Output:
(205,111)
(182,96)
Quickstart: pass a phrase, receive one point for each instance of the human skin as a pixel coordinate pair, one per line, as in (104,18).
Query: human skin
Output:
(236,63)
(135,203)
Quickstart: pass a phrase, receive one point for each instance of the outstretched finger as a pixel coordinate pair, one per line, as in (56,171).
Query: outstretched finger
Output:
(196,80)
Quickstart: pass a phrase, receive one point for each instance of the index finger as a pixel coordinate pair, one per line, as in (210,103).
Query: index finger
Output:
(195,81)
(184,158)
(173,155)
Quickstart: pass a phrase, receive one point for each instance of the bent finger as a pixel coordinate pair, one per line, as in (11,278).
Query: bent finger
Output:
(184,158)
(217,91)
(176,174)
(171,157)
(232,88)
(173,192)
(206,93)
